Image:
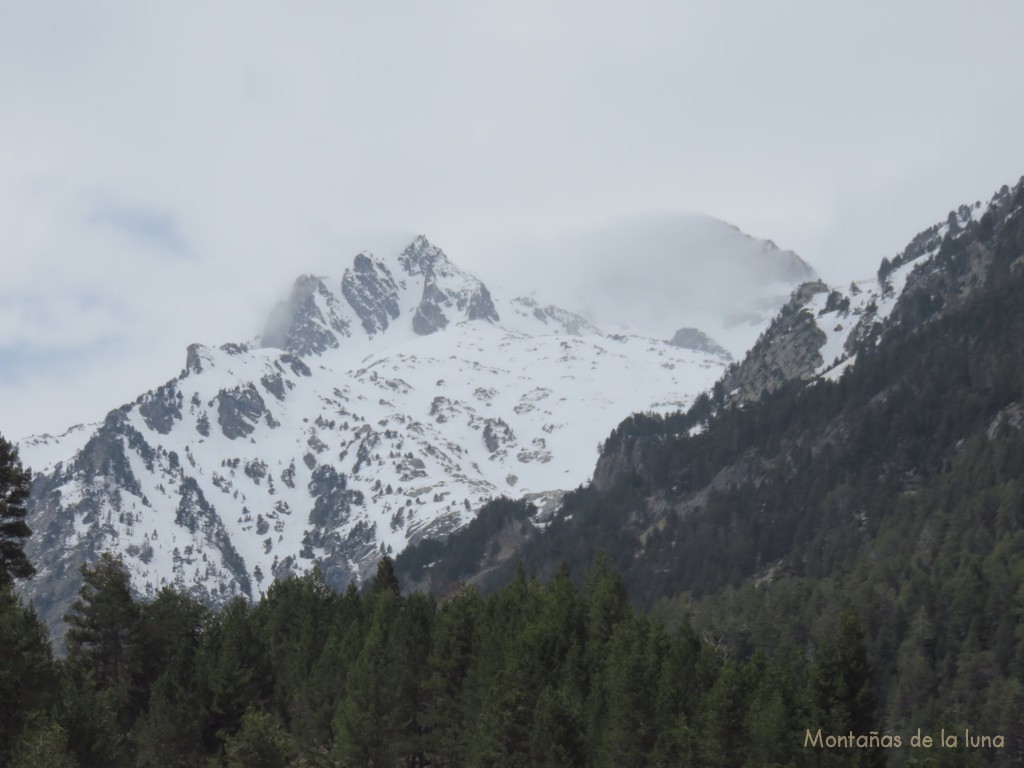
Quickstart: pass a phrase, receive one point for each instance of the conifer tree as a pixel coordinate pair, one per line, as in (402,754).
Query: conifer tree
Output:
(455,642)
(169,734)
(627,733)
(363,726)
(259,743)
(27,675)
(102,633)
(556,736)
(43,745)
(15,484)
(293,622)
(316,701)
(95,736)
(379,721)
(606,608)
(169,633)
(843,699)
(234,669)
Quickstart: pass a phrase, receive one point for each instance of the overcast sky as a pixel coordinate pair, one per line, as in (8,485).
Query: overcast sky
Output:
(167,169)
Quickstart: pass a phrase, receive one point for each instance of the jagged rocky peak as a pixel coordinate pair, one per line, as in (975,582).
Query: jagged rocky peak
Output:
(374,293)
(370,290)
(309,322)
(419,257)
(697,340)
(445,287)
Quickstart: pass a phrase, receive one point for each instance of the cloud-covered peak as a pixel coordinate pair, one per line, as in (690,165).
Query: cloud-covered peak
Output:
(375,294)
(654,275)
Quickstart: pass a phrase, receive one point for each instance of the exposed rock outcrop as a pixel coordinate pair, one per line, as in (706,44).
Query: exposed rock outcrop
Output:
(697,340)
(310,322)
(789,349)
(370,290)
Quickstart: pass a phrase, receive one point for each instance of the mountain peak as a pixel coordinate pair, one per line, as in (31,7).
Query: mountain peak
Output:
(445,287)
(374,294)
(419,256)
(310,321)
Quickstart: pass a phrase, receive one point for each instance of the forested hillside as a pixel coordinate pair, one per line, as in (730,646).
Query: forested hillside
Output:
(896,491)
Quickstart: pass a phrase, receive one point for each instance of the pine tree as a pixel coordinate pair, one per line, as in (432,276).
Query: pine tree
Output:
(293,620)
(627,733)
(15,484)
(379,722)
(386,579)
(494,692)
(95,736)
(363,726)
(842,692)
(169,734)
(259,743)
(456,639)
(232,664)
(27,675)
(102,633)
(43,745)
(169,633)
(556,737)
(606,607)
(722,717)
(318,697)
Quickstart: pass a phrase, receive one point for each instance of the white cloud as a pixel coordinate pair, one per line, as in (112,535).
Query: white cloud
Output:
(168,170)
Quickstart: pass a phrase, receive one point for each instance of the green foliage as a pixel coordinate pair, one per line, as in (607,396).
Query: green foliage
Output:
(259,743)
(842,692)
(44,744)
(379,720)
(534,675)
(454,650)
(15,484)
(102,633)
(27,674)
(169,734)
(95,736)
(234,670)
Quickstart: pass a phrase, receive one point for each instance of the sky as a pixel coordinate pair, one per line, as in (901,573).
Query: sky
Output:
(167,170)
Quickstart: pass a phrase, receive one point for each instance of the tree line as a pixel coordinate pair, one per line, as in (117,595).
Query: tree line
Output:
(554,674)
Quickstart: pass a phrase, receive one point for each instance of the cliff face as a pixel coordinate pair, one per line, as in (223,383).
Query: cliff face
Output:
(613,467)
(789,350)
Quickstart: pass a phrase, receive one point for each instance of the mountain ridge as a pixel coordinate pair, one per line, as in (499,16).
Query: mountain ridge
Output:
(817,336)
(373,410)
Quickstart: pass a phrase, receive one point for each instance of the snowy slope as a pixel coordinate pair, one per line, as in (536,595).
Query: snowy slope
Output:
(372,411)
(821,329)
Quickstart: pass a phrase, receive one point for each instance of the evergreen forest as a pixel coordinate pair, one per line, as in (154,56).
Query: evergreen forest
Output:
(533,675)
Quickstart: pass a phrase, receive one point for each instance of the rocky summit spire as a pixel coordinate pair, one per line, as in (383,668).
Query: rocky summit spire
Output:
(447,290)
(319,313)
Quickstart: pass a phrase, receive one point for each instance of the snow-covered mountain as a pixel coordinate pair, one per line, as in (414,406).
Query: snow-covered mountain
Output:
(374,410)
(821,330)
(663,498)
